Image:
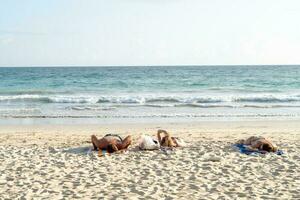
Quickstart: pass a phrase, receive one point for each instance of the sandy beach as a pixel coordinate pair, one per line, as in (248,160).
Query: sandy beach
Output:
(52,161)
(220,77)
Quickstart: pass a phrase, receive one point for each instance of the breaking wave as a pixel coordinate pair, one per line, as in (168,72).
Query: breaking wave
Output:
(180,115)
(192,100)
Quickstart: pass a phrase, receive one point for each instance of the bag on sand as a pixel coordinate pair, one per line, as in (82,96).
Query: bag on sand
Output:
(148,143)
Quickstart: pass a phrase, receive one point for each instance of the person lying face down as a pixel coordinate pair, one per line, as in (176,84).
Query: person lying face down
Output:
(259,143)
(167,140)
(111,143)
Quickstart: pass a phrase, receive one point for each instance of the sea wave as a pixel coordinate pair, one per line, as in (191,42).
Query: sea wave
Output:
(185,105)
(23,97)
(179,115)
(181,100)
(34,92)
(162,99)
(105,99)
(20,110)
(47,99)
(82,108)
(268,99)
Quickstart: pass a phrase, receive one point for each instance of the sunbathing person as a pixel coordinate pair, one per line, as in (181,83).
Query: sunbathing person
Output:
(111,143)
(167,140)
(258,143)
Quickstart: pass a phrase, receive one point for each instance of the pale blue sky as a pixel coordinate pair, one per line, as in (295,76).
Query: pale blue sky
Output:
(149,32)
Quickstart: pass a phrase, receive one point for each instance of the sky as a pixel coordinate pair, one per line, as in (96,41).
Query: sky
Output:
(149,32)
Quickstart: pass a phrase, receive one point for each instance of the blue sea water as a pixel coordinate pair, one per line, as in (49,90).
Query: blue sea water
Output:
(167,92)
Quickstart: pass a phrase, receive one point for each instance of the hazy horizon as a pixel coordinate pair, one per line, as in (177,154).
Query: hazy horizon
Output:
(96,66)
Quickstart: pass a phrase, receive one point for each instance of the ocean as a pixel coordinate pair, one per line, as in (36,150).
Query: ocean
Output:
(168,93)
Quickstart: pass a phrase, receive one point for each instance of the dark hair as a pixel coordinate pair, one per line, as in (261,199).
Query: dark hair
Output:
(266,147)
(111,148)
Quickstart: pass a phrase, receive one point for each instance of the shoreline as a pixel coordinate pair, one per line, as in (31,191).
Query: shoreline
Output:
(104,121)
(279,124)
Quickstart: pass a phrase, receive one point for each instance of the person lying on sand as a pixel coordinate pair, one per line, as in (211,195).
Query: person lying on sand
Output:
(111,143)
(167,140)
(258,143)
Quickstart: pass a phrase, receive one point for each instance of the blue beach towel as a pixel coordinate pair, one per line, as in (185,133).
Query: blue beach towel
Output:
(243,149)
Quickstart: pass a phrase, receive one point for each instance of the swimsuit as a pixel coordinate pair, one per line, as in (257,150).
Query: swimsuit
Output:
(114,136)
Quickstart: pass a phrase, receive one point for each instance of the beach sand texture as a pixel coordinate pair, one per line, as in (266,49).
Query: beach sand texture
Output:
(51,162)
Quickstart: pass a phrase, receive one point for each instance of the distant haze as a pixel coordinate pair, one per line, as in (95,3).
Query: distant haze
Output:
(149,32)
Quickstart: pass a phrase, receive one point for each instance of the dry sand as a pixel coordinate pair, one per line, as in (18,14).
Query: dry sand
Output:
(49,161)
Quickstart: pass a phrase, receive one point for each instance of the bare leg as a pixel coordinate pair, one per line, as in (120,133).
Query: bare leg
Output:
(175,143)
(126,142)
(170,141)
(95,142)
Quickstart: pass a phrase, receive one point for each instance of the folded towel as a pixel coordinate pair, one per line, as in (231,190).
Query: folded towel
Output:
(243,149)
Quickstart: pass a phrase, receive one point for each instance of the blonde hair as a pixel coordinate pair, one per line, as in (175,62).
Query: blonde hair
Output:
(166,140)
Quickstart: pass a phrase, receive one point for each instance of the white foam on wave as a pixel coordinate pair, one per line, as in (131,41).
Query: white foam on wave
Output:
(225,100)
(82,108)
(19,110)
(267,99)
(19,97)
(48,99)
(69,99)
(179,115)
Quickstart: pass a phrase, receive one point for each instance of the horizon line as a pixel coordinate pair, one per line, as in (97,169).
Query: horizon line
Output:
(227,65)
